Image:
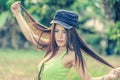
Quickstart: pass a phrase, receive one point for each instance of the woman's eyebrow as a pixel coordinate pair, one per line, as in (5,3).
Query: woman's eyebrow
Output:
(56,29)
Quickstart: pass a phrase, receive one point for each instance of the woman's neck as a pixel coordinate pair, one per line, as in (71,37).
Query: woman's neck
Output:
(62,49)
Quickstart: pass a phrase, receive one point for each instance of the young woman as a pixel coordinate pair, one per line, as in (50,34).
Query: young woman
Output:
(63,49)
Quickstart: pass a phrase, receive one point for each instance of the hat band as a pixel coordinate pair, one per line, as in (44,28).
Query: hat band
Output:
(62,24)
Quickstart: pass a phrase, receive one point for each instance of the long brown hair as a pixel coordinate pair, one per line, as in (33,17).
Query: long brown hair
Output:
(76,43)
(52,47)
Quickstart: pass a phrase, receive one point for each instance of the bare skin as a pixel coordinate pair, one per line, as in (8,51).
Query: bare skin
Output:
(60,37)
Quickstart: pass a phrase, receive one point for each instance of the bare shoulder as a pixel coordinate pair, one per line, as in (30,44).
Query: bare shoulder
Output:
(70,56)
(68,59)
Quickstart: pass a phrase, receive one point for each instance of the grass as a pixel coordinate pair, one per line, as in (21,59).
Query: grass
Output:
(19,64)
(22,65)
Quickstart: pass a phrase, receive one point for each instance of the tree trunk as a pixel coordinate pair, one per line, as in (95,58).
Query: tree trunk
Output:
(106,8)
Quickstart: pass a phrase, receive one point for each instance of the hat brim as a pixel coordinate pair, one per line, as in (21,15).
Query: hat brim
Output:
(62,24)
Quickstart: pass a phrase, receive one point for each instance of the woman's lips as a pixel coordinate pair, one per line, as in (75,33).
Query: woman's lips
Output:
(60,41)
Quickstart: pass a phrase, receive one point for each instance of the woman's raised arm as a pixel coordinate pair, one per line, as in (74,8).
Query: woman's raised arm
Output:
(28,33)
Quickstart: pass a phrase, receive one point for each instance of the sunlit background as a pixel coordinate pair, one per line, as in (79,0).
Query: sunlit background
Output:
(99,25)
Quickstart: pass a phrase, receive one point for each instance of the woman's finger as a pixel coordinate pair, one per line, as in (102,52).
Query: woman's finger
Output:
(116,72)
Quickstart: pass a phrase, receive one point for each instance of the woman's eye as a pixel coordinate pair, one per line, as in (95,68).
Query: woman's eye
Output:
(56,30)
(64,31)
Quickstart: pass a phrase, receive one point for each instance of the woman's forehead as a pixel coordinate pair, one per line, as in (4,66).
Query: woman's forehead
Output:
(59,27)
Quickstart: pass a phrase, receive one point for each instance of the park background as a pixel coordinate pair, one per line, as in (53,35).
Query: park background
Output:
(99,25)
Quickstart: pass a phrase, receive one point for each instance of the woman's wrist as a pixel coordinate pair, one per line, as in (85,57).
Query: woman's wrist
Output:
(17,15)
(105,77)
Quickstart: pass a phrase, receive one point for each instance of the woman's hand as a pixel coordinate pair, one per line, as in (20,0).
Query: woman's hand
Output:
(114,74)
(15,8)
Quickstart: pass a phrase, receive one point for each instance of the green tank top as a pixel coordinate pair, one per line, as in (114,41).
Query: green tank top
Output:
(54,70)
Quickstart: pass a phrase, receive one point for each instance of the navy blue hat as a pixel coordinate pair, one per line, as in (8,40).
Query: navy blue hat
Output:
(68,19)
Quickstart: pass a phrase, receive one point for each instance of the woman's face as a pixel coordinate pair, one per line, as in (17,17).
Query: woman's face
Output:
(60,35)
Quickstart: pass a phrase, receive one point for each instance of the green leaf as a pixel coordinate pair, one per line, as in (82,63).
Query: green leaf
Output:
(3,18)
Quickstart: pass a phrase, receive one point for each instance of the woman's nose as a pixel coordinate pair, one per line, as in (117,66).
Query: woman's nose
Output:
(60,35)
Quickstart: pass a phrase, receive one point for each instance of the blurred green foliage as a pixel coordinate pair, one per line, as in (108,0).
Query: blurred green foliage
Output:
(43,11)
(114,35)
